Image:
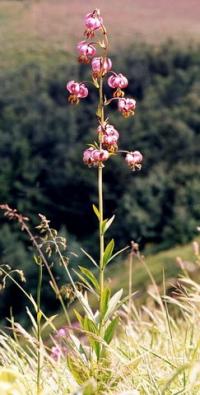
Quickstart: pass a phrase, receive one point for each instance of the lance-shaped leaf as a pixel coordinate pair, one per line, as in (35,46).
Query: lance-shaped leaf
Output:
(90,257)
(118,253)
(107,223)
(112,305)
(90,326)
(96,211)
(110,330)
(90,276)
(104,301)
(84,303)
(108,252)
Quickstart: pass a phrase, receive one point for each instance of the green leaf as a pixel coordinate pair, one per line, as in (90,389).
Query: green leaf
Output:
(79,317)
(108,252)
(107,223)
(84,303)
(90,257)
(96,211)
(105,300)
(90,326)
(112,305)
(84,280)
(117,253)
(90,276)
(110,330)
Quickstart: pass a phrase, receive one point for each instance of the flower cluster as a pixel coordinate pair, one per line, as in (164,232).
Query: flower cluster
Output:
(101,65)
(109,136)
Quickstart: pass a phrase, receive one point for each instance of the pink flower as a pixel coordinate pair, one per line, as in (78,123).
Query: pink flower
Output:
(93,21)
(95,157)
(117,81)
(109,137)
(134,160)
(77,91)
(126,106)
(100,66)
(56,353)
(86,51)
(62,332)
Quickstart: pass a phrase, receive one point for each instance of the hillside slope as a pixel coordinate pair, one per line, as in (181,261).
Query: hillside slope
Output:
(41,26)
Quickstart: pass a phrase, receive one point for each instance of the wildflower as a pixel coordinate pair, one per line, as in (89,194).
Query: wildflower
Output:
(95,157)
(109,137)
(134,160)
(100,66)
(118,82)
(93,21)
(86,52)
(56,353)
(62,332)
(77,91)
(126,106)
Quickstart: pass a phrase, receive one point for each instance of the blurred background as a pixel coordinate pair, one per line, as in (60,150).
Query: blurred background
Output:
(156,44)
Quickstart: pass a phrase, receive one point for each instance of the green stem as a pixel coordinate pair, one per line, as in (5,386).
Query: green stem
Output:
(39,287)
(100,196)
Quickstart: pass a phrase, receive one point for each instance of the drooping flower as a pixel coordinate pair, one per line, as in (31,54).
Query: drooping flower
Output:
(86,52)
(100,66)
(126,106)
(109,137)
(77,91)
(93,21)
(134,160)
(118,82)
(95,157)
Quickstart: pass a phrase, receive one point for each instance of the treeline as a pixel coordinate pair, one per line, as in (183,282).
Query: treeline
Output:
(42,139)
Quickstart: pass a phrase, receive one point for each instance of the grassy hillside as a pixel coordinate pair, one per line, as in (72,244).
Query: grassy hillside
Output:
(161,265)
(39,29)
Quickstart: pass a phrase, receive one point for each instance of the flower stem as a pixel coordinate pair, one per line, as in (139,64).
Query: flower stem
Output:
(100,196)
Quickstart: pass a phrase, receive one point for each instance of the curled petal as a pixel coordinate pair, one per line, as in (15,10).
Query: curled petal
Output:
(126,106)
(100,66)
(83,91)
(77,91)
(117,81)
(93,21)
(134,160)
(86,49)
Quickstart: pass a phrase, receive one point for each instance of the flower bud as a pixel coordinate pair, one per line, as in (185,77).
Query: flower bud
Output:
(126,106)
(134,160)
(77,91)
(86,52)
(100,66)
